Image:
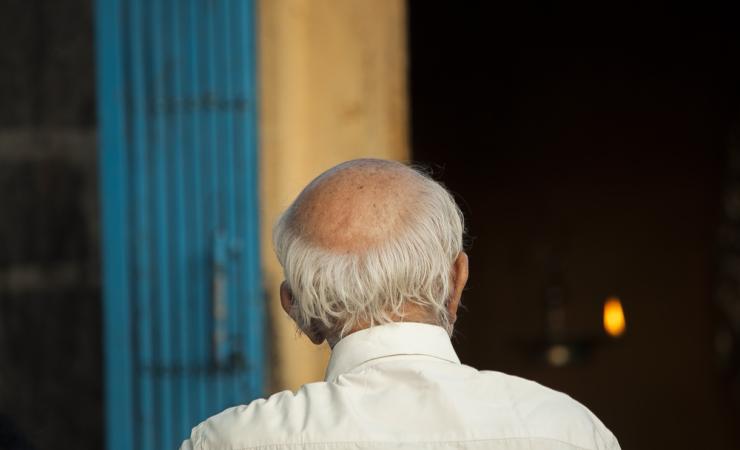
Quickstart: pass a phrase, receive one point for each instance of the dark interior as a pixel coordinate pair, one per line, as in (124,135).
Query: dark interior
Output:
(592,158)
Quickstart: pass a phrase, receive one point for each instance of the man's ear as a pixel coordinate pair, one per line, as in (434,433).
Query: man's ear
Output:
(313,332)
(286,298)
(459,279)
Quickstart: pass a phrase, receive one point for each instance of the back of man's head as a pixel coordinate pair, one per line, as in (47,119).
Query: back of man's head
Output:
(366,242)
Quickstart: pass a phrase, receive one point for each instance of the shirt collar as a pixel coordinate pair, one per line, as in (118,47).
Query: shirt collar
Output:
(397,338)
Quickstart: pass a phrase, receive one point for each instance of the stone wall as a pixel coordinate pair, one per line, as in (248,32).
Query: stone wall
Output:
(50,327)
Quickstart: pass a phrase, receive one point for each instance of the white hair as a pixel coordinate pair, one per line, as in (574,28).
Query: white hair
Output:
(413,265)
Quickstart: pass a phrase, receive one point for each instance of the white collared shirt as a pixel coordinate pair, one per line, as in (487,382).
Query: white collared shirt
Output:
(401,386)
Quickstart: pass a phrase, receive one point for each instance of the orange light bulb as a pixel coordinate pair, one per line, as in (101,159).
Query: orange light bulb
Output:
(614,322)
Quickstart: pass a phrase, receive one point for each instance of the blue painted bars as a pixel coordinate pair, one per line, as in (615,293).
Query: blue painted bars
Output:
(183,301)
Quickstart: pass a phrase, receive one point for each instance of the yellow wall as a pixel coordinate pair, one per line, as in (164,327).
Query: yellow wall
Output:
(333,88)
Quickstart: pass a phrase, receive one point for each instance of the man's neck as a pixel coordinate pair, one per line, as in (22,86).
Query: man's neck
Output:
(411,313)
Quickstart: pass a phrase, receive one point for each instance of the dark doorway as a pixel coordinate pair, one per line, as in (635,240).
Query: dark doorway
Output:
(590,157)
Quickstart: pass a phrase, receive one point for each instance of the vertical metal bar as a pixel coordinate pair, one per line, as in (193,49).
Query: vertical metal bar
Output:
(211,163)
(183,363)
(226,69)
(150,214)
(161,225)
(131,224)
(199,252)
(188,147)
(167,170)
(142,241)
(239,325)
(113,170)
(255,314)
(210,207)
(241,111)
(176,411)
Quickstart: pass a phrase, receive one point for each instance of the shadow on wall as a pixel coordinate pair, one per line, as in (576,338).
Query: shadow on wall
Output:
(50,349)
(10,437)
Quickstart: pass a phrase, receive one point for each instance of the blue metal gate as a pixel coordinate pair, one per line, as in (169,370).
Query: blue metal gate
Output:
(183,313)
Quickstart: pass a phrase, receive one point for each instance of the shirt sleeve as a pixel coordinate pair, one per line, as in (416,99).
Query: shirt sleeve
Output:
(186,445)
(615,445)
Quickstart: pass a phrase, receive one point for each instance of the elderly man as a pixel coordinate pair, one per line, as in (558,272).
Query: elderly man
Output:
(374,265)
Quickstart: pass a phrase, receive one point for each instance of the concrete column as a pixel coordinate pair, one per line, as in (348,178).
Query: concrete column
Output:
(333,88)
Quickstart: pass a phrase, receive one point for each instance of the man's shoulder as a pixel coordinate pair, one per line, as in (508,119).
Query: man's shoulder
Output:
(283,413)
(526,393)
(492,405)
(552,414)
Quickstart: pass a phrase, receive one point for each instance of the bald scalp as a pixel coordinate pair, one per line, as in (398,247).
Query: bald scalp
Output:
(370,242)
(357,205)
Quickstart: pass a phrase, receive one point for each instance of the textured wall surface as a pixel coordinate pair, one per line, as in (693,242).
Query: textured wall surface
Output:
(46,58)
(333,88)
(50,350)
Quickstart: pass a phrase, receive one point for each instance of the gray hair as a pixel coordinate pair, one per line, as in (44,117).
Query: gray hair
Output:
(412,265)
